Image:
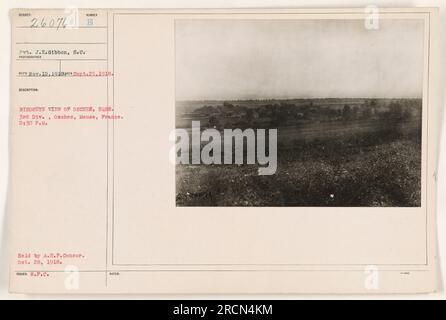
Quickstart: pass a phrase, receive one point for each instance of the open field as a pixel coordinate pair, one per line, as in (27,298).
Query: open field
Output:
(366,154)
(385,175)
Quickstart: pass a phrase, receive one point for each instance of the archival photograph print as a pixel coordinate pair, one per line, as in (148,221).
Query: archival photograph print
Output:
(300,113)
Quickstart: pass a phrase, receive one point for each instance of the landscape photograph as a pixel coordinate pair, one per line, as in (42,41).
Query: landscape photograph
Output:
(347,111)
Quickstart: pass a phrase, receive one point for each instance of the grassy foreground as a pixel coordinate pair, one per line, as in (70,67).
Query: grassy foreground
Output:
(386,174)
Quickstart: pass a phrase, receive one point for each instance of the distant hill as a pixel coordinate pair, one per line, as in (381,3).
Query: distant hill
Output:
(190,106)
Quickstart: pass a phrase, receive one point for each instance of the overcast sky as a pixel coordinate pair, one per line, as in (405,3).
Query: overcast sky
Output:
(253,59)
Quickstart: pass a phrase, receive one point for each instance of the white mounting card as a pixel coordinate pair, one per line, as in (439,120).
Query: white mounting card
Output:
(223,151)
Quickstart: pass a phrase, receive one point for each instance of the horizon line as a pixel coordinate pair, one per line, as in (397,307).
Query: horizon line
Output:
(314,98)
